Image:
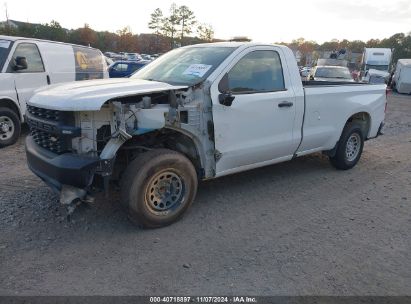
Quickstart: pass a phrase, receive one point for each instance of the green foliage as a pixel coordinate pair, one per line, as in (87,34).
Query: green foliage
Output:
(187,21)
(205,32)
(180,22)
(174,29)
(156,21)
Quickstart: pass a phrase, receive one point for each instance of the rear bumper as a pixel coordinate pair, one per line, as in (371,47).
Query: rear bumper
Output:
(58,170)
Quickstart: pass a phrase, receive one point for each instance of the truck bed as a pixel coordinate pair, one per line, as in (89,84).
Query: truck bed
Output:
(328,106)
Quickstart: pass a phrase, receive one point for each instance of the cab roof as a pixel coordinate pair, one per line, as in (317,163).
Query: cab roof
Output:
(13,39)
(233,44)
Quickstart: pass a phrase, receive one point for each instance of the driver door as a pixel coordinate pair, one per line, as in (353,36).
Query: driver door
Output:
(31,78)
(257,128)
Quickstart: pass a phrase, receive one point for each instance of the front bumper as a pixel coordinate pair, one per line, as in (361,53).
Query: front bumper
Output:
(59,170)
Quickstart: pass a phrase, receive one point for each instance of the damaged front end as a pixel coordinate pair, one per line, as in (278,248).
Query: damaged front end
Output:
(79,152)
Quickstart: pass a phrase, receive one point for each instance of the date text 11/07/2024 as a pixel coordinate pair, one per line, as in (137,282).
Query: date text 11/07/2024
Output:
(234,299)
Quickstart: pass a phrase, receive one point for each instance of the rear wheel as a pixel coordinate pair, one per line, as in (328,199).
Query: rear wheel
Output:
(158,187)
(9,127)
(349,147)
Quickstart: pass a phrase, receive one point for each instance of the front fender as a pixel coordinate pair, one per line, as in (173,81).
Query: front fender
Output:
(8,91)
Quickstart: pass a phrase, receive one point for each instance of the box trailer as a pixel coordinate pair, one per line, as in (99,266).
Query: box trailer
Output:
(402,76)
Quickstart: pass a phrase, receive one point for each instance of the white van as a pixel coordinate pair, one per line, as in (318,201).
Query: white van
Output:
(28,64)
(401,80)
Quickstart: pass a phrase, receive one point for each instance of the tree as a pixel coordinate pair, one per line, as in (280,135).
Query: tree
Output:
(152,44)
(127,41)
(401,45)
(28,30)
(107,41)
(356,46)
(156,22)
(56,32)
(171,23)
(306,48)
(372,43)
(84,36)
(186,20)
(332,45)
(205,32)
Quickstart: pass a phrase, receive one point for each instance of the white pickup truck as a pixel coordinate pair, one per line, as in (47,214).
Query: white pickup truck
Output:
(196,113)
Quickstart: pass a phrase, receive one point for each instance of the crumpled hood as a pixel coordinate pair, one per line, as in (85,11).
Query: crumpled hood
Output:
(90,95)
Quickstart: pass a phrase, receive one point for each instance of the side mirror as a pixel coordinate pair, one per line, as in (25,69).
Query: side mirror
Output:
(311,77)
(21,63)
(225,98)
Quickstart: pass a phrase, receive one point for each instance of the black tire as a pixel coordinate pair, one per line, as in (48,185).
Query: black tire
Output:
(10,120)
(346,158)
(153,205)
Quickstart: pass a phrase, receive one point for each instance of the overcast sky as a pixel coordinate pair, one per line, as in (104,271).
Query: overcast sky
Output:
(261,20)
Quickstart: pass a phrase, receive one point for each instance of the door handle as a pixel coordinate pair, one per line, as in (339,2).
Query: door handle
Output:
(48,79)
(285,104)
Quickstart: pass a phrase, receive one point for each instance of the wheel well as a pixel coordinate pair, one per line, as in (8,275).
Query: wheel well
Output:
(7,103)
(364,120)
(182,143)
(164,138)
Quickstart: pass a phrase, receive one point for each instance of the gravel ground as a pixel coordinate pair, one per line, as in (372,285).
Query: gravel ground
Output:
(297,228)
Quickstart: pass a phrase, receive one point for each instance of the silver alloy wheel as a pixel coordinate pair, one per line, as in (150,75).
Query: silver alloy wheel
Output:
(353,147)
(165,190)
(6,128)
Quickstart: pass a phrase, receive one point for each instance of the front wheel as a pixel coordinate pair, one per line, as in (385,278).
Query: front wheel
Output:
(349,147)
(9,127)
(158,187)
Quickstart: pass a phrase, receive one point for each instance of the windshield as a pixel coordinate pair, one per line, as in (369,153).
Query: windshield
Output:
(330,72)
(5,46)
(377,67)
(186,66)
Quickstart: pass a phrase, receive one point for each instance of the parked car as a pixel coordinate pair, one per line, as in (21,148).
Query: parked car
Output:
(110,54)
(196,113)
(133,56)
(125,68)
(155,56)
(28,64)
(330,73)
(147,57)
(401,80)
(113,56)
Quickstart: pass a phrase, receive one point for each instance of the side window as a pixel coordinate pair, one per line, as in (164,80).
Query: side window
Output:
(32,55)
(135,67)
(121,67)
(258,71)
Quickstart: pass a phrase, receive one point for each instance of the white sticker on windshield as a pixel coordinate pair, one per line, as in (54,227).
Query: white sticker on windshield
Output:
(197,70)
(4,44)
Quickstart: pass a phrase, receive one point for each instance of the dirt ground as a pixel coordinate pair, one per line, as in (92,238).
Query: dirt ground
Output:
(297,228)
